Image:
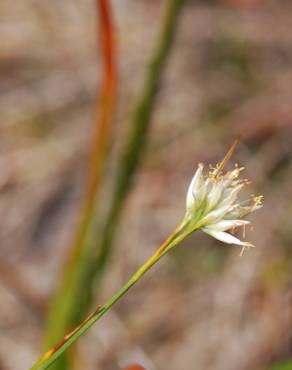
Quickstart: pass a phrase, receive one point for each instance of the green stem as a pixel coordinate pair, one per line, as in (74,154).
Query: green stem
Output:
(55,352)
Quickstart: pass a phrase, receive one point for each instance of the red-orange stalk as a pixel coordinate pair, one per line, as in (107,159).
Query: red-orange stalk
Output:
(61,315)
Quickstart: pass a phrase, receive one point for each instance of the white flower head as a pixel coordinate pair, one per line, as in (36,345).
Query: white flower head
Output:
(212,203)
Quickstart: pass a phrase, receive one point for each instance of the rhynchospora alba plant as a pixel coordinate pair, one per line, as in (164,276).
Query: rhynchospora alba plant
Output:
(212,206)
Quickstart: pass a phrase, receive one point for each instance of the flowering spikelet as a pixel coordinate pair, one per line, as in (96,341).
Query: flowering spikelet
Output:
(212,203)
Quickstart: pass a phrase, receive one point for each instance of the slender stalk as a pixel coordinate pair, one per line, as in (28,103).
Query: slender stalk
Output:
(55,352)
(60,315)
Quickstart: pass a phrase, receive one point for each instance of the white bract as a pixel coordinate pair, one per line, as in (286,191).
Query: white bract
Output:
(212,204)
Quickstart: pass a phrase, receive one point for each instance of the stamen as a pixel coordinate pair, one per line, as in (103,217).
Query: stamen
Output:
(242,251)
(244,247)
(258,200)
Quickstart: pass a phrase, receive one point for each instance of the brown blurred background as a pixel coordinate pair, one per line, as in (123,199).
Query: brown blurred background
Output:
(229,74)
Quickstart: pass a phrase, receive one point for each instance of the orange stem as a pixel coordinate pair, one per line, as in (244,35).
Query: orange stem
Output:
(61,314)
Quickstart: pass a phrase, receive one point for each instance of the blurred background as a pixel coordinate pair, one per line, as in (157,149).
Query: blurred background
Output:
(228,74)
